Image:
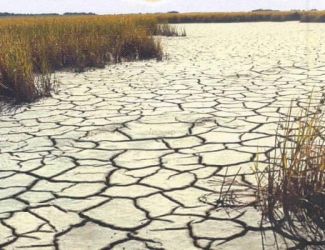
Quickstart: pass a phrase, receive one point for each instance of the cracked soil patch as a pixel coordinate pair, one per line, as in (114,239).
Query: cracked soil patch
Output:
(130,156)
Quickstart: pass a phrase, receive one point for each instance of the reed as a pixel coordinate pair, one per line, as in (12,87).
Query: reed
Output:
(31,49)
(291,188)
(164,29)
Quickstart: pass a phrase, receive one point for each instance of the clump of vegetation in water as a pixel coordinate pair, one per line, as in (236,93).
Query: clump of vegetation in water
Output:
(33,48)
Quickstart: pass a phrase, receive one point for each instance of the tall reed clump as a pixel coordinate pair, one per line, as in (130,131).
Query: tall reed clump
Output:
(291,191)
(17,77)
(33,48)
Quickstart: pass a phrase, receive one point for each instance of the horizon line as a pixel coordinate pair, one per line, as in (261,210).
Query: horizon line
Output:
(155,12)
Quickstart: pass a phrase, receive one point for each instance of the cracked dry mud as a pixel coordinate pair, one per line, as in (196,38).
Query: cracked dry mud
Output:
(133,156)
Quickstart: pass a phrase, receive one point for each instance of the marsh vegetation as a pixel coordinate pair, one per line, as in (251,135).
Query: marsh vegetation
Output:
(259,16)
(33,48)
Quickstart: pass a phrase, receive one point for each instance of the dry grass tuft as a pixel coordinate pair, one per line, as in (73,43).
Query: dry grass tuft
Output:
(291,191)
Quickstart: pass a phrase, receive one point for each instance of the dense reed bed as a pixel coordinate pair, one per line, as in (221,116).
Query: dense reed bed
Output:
(33,48)
(318,16)
(259,16)
(291,190)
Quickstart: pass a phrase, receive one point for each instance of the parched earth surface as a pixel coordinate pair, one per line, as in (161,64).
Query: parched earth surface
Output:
(133,156)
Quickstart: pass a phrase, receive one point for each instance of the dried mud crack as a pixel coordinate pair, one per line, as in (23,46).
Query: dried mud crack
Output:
(131,156)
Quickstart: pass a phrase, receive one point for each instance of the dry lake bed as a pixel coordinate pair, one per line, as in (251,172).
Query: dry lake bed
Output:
(133,156)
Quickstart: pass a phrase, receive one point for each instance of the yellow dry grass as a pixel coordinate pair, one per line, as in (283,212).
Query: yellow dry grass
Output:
(291,188)
(34,47)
